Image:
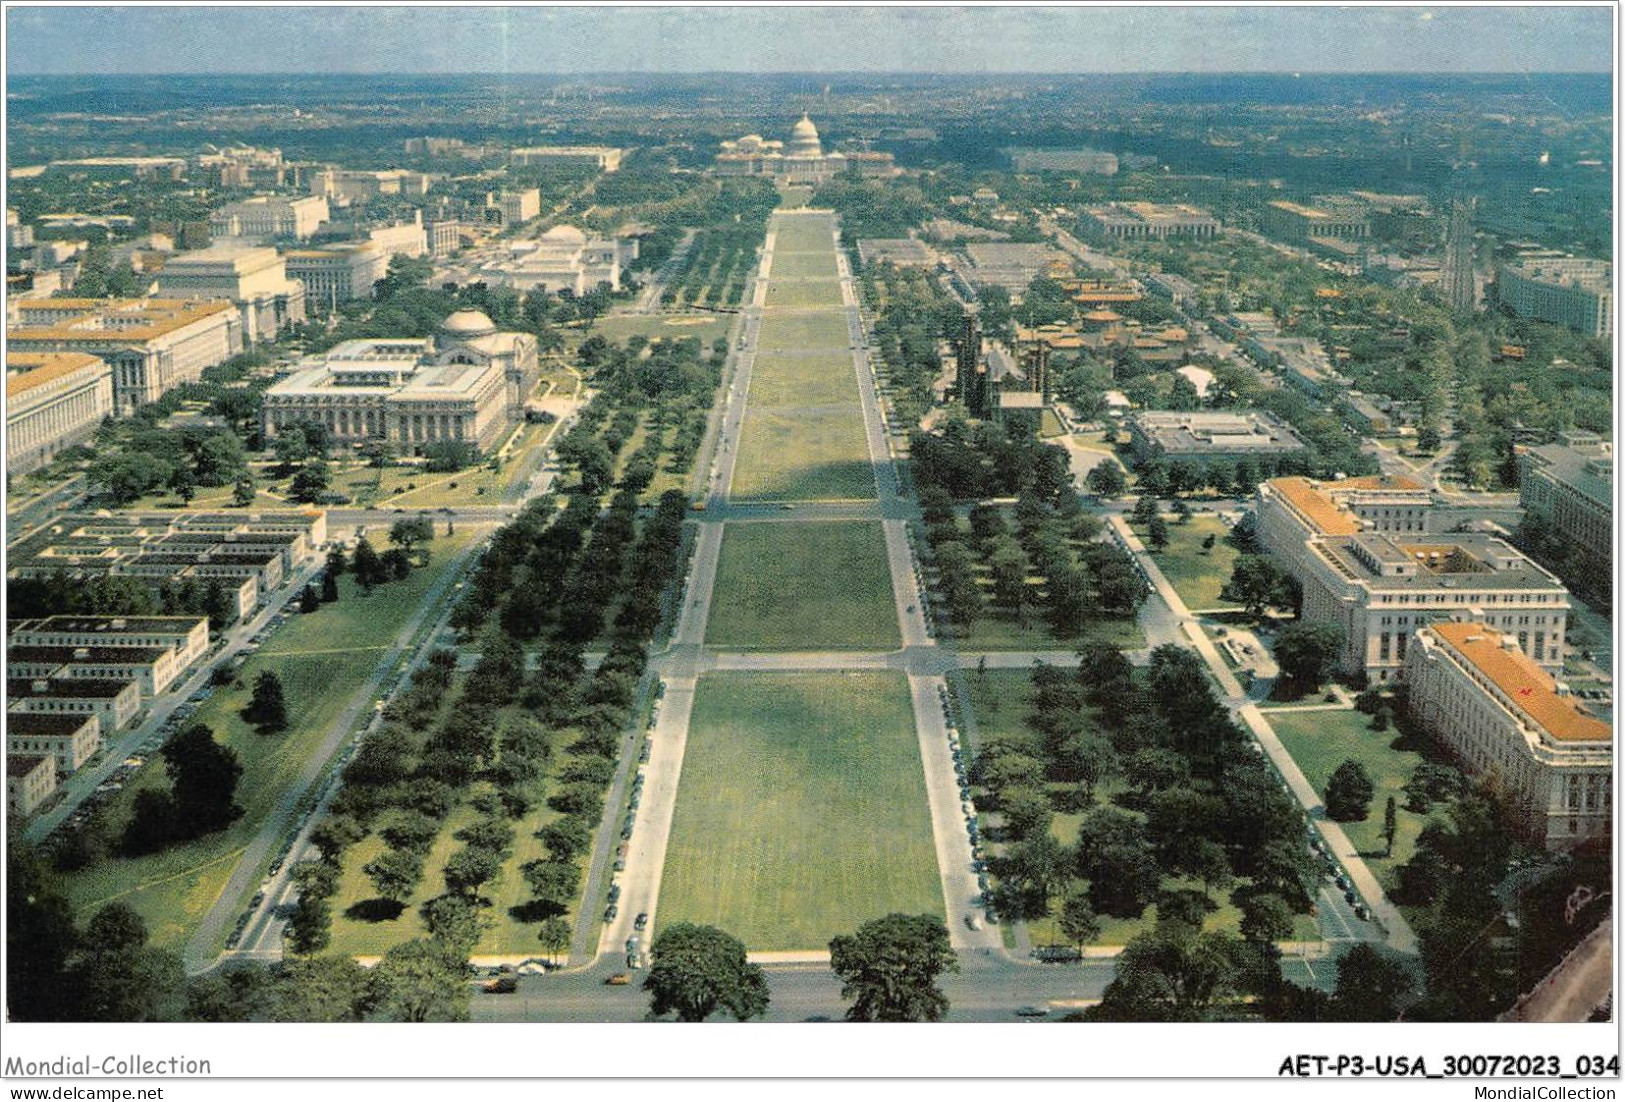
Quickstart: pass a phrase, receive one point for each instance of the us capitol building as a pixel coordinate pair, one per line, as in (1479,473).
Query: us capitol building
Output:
(468,383)
(802,161)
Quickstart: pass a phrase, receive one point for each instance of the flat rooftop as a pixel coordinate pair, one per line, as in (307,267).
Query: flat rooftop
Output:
(1531,689)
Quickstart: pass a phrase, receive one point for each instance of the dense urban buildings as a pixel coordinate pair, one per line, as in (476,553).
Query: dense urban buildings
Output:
(54,400)
(152,345)
(1087,161)
(1567,291)
(519,206)
(254,279)
(466,385)
(1498,712)
(247,554)
(1364,555)
(344,186)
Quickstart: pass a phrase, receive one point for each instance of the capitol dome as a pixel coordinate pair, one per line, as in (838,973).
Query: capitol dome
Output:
(468,323)
(804,139)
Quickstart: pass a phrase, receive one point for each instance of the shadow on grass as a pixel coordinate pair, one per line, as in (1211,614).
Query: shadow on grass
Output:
(536,910)
(375,910)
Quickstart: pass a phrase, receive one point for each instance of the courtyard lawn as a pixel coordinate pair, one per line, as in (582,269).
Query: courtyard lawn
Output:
(803,379)
(802,812)
(799,331)
(803,586)
(322,660)
(802,292)
(1320,741)
(817,454)
(707,327)
(803,266)
(797,233)
(1196,575)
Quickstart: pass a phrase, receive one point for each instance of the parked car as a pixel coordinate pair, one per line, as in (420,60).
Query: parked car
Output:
(619,979)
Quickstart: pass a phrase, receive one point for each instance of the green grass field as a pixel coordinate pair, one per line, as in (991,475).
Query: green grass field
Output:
(802,292)
(1321,741)
(1197,576)
(803,379)
(791,454)
(818,265)
(802,331)
(803,233)
(707,327)
(802,813)
(322,659)
(803,586)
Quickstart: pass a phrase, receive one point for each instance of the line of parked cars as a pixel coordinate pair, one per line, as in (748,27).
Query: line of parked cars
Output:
(972,827)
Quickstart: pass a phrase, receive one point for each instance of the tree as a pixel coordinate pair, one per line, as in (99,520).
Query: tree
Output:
(40,937)
(368,567)
(335,834)
(323,989)
(117,977)
(889,969)
(1306,650)
(310,929)
(311,482)
(454,922)
(566,838)
(394,873)
(1208,541)
(267,709)
(1348,793)
(1372,985)
(309,599)
(469,869)
(555,934)
(1079,923)
(1157,532)
(1106,479)
(1390,826)
(1257,584)
(408,532)
(203,781)
(697,970)
(1206,860)
(1265,918)
(422,981)
(1173,973)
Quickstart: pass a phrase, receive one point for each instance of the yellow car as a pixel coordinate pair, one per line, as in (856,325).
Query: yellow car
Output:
(619,979)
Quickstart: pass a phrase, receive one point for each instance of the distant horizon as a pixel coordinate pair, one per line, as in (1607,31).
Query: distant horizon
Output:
(1082,40)
(1002,74)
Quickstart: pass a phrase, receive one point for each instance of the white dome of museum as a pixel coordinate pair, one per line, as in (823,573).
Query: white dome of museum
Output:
(468,323)
(804,139)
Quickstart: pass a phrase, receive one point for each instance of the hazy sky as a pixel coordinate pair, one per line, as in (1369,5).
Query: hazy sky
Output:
(321,39)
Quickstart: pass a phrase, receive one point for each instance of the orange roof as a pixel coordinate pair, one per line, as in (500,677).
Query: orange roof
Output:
(1322,512)
(81,320)
(1528,686)
(1102,315)
(38,368)
(1379,482)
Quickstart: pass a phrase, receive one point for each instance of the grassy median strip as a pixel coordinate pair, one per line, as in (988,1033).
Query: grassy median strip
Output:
(802,812)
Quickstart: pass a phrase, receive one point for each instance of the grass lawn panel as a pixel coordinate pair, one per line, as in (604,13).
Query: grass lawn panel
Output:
(322,659)
(816,454)
(1197,576)
(803,233)
(803,586)
(802,812)
(803,379)
(803,266)
(706,327)
(816,329)
(802,292)
(1320,741)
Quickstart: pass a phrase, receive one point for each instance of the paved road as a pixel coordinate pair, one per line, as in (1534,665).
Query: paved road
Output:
(1576,987)
(987,988)
(649,303)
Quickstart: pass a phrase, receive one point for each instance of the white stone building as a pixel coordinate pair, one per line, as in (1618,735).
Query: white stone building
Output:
(254,279)
(563,258)
(152,345)
(466,384)
(338,273)
(54,400)
(1497,711)
(267,216)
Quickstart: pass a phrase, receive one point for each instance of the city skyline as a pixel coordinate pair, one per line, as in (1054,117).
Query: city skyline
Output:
(1084,39)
